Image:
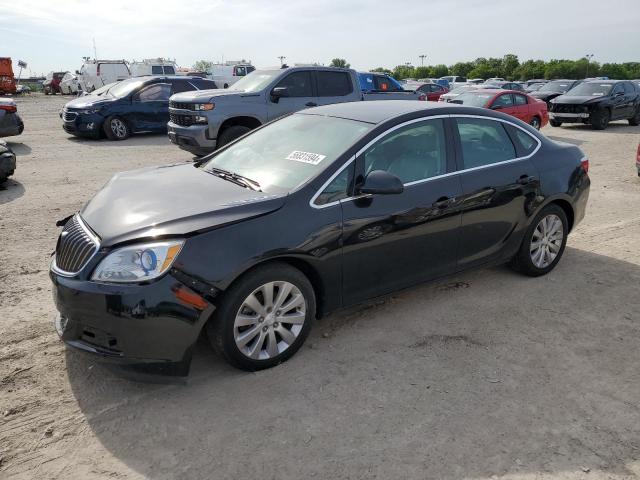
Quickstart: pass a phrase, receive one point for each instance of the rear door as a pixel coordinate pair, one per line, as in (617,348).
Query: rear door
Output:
(499,186)
(299,85)
(334,87)
(521,107)
(392,241)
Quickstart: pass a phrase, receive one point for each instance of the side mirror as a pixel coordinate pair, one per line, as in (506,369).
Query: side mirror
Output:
(278,93)
(382,183)
(77,72)
(497,107)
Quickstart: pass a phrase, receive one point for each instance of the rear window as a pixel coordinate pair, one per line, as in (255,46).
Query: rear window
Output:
(334,84)
(484,142)
(156,70)
(203,84)
(169,70)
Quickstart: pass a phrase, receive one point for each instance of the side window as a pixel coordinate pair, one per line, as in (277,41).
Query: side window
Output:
(298,84)
(156,70)
(250,69)
(617,89)
(383,84)
(411,153)
(629,89)
(240,72)
(155,92)
(202,84)
(484,142)
(169,70)
(337,189)
(334,84)
(520,99)
(503,101)
(181,86)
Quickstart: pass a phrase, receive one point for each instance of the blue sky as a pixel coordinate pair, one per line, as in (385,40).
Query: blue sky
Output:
(53,35)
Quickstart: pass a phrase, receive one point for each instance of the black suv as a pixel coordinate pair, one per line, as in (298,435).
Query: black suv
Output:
(597,102)
(553,89)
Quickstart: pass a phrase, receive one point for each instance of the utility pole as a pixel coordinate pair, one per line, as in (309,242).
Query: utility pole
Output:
(589,56)
(95,53)
(281,57)
(422,57)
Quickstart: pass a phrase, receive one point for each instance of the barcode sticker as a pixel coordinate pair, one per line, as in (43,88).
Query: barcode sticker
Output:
(306,157)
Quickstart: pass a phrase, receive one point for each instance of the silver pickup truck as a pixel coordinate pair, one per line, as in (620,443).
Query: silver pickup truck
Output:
(202,121)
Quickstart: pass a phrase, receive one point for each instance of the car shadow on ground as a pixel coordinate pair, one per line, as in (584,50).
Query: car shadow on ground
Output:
(19,148)
(618,127)
(485,373)
(140,139)
(10,190)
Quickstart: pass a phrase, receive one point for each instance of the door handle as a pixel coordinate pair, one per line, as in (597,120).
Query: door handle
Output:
(525,180)
(443,202)
(310,104)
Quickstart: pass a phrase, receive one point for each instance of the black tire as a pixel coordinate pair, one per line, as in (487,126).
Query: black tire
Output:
(555,123)
(523,262)
(231,133)
(116,128)
(221,327)
(535,123)
(600,119)
(635,120)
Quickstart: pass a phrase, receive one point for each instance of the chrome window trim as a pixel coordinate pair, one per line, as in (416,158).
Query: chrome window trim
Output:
(437,177)
(96,241)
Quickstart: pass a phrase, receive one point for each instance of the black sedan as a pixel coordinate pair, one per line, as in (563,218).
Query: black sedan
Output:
(321,209)
(139,104)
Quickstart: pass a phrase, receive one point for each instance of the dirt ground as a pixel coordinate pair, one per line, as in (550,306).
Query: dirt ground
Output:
(484,375)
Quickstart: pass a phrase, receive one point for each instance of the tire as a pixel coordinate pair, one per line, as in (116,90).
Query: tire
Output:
(116,128)
(600,119)
(535,123)
(253,347)
(528,261)
(555,123)
(231,133)
(635,120)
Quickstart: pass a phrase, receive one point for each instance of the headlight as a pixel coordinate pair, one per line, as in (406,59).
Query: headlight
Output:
(199,119)
(138,263)
(204,106)
(90,110)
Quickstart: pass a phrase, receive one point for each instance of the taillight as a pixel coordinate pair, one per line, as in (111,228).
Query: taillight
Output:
(9,108)
(422,97)
(584,163)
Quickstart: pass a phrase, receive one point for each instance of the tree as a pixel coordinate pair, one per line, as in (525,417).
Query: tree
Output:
(461,69)
(510,64)
(612,70)
(423,72)
(403,71)
(440,71)
(339,63)
(203,66)
(382,70)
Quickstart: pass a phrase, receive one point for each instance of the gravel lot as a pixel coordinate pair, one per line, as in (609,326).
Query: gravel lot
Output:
(484,375)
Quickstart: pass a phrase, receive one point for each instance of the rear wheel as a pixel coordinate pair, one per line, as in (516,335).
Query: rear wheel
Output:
(535,123)
(635,120)
(231,133)
(600,119)
(264,318)
(555,123)
(543,243)
(116,128)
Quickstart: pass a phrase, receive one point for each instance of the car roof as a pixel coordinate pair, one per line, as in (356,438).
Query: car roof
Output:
(380,111)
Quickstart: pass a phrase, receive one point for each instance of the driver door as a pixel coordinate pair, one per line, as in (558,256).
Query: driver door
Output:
(151,107)
(396,240)
(300,95)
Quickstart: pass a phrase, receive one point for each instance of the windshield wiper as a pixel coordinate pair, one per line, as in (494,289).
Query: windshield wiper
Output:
(234,178)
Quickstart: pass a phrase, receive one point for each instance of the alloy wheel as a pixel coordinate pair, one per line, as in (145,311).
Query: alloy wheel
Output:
(269,320)
(118,128)
(546,241)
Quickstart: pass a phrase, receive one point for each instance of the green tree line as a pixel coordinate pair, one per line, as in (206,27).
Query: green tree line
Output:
(510,68)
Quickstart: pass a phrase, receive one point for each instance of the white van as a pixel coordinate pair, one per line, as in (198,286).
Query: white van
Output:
(153,66)
(97,73)
(228,73)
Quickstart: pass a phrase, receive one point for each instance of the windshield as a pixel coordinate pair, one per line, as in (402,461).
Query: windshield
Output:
(559,86)
(474,99)
(124,88)
(290,151)
(255,81)
(591,90)
(103,90)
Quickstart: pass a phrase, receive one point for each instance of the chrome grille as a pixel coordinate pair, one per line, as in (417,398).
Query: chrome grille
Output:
(182,120)
(68,116)
(76,245)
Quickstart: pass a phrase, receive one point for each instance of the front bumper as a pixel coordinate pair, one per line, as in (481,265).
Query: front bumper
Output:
(152,324)
(82,125)
(193,139)
(569,117)
(10,125)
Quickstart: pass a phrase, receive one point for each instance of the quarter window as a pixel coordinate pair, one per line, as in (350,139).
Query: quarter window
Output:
(334,84)
(484,142)
(298,84)
(337,189)
(411,153)
(520,99)
(526,141)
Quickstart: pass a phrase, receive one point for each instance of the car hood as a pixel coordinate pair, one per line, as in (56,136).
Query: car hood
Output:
(545,95)
(89,101)
(170,200)
(577,100)
(209,95)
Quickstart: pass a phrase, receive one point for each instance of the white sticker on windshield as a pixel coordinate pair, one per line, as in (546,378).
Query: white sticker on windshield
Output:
(306,157)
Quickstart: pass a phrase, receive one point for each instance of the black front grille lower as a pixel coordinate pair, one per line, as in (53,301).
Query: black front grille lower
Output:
(182,105)
(75,246)
(182,120)
(563,108)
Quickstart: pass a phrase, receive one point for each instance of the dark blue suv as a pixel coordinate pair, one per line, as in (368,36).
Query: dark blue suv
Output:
(139,104)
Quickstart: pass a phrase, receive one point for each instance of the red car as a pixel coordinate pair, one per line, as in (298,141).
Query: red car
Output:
(429,91)
(518,104)
(638,160)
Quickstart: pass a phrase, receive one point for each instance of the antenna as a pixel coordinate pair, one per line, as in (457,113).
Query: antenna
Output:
(95,53)
(281,57)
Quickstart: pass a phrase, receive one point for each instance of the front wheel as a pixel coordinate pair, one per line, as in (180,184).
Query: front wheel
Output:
(555,123)
(231,133)
(115,128)
(535,123)
(543,243)
(264,318)
(600,120)
(635,120)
